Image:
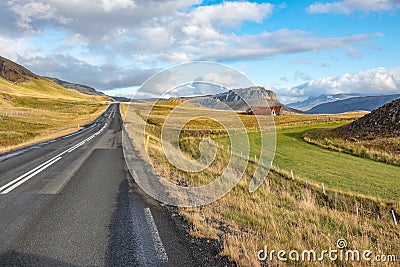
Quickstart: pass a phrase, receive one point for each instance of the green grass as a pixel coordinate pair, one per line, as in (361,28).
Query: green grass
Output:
(336,170)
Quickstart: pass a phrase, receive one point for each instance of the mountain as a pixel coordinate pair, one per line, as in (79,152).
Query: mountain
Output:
(241,99)
(313,101)
(84,89)
(366,103)
(13,72)
(382,122)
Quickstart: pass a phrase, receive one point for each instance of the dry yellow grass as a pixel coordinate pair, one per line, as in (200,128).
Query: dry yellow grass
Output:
(282,213)
(39,110)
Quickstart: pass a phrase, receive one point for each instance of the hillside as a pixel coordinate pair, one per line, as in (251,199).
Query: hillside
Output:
(34,109)
(241,99)
(313,101)
(13,72)
(382,122)
(84,89)
(365,103)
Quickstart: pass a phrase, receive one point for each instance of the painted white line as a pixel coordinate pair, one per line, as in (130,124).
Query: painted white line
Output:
(9,189)
(158,245)
(75,147)
(28,175)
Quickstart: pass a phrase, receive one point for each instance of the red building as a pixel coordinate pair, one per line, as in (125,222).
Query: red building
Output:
(264,110)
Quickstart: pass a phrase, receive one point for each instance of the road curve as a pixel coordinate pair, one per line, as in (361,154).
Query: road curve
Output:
(72,202)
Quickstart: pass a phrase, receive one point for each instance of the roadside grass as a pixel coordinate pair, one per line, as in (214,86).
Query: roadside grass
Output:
(283,213)
(40,110)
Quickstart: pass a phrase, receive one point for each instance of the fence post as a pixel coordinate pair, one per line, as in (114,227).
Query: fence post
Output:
(323,188)
(306,182)
(394,217)
(292,174)
(357,211)
(147,143)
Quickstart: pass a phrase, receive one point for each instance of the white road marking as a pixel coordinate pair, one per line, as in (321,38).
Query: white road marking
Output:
(9,189)
(158,245)
(28,175)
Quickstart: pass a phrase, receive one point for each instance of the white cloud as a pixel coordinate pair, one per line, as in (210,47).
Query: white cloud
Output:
(134,34)
(28,12)
(230,14)
(350,6)
(12,48)
(170,30)
(376,81)
(109,5)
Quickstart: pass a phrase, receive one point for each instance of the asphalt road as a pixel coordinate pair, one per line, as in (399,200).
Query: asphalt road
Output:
(72,202)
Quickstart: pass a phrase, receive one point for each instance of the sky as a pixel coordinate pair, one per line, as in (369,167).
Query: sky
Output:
(296,48)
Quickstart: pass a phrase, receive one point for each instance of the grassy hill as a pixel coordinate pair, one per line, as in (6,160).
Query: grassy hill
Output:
(34,109)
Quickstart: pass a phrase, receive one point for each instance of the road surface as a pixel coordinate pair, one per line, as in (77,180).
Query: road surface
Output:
(72,202)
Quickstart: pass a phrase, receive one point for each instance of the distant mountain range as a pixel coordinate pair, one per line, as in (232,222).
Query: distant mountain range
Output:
(84,89)
(366,103)
(313,101)
(241,99)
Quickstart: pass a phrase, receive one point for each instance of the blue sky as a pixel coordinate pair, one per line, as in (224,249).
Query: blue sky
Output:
(296,48)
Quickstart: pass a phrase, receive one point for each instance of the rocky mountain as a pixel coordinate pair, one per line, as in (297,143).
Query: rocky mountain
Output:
(84,89)
(366,103)
(313,101)
(241,99)
(382,122)
(14,72)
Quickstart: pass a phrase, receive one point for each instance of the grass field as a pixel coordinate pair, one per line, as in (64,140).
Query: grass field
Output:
(282,213)
(382,149)
(40,110)
(336,170)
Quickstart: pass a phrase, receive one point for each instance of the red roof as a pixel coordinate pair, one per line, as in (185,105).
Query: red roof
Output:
(264,110)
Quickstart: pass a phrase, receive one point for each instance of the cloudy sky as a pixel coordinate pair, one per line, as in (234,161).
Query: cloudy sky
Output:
(297,48)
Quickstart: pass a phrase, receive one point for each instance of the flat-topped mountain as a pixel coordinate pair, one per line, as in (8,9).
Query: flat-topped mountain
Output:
(14,72)
(242,99)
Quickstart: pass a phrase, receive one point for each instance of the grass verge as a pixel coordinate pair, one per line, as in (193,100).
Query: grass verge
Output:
(283,213)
